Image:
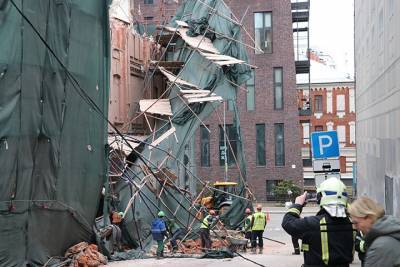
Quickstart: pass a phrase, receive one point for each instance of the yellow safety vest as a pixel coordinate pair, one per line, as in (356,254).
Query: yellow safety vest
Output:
(204,225)
(247,223)
(259,221)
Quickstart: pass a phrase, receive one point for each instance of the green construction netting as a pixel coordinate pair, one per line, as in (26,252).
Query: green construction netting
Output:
(206,75)
(52,143)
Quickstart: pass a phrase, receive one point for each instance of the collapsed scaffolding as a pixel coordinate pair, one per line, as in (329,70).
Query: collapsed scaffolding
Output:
(209,63)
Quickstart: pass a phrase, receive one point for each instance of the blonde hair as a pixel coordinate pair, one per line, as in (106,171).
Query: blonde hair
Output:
(364,207)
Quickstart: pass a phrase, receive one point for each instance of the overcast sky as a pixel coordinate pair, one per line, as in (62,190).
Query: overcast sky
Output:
(331,31)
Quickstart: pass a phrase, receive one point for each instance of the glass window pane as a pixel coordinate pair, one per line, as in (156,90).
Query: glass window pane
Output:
(267,20)
(205,146)
(258,20)
(231,105)
(260,144)
(318,103)
(278,75)
(278,97)
(250,99)
(279,144)
(278,88)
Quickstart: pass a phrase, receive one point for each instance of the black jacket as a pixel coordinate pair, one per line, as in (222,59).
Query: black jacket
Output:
(326,240)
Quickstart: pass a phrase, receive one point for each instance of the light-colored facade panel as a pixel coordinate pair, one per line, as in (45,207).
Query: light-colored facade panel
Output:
(377,38)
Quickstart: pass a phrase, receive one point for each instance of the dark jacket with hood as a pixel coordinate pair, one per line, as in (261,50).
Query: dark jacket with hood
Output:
(383,243)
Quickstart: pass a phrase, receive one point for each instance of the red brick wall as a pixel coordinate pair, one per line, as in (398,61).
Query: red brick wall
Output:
(282,56)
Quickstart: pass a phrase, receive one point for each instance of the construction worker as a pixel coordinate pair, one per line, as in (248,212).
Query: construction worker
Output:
(247,224)
(176,232)
(258,223)
(327,237)
(207,223)
(159,231)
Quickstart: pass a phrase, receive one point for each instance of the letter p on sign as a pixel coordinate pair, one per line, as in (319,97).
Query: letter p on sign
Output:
(324,144)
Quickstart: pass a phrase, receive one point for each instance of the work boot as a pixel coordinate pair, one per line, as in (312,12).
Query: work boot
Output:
(260,250)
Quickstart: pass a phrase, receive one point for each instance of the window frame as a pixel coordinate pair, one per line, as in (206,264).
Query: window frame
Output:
(263,160)
(276,85)
(251,89)
(270,51)
(316,110)
(205,160)
(276,128)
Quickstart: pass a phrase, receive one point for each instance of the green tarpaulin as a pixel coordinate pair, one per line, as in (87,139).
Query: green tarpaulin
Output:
(52,143)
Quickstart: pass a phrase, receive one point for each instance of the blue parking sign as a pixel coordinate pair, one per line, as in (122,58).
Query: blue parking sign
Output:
(325,145)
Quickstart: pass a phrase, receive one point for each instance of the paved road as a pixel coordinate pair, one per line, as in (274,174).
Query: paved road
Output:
(274,254)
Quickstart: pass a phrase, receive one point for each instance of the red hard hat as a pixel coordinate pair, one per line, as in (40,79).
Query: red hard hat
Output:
(259,207)
(247,211)
(212,212)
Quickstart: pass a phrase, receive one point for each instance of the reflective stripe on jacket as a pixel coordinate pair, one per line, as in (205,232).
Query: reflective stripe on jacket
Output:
(259,221)
(326,240)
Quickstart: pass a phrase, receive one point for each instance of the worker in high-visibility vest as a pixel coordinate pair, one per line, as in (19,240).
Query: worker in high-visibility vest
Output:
(207,223)
(247,224)
(328,237)
(258,223)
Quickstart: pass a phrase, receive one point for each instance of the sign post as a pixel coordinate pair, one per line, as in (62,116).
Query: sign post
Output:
(325,152)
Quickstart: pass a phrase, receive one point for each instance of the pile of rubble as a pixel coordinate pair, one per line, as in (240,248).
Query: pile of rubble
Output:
(85,255)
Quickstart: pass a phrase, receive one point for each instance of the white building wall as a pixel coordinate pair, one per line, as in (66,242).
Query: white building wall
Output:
(377,39)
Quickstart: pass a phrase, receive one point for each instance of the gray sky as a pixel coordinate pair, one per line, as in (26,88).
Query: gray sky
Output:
(331,31)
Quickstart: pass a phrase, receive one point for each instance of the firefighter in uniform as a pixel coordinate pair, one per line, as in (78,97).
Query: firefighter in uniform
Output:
(327,237)
(258,223)
(205,227)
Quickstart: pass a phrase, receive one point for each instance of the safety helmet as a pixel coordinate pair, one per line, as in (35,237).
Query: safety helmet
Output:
(332,191)
(247,211)
(259,207)
(161,214)
(212,212)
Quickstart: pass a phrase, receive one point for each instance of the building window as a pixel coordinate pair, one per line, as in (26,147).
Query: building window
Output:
(352,101)
(148,2)
(260,144)
(319,128)
(231,139)
(341,130)
(270,189)
(205,146)
(278,88)
(250,99)
(279,144)
(318,103)
(306,133)
(263,31)
(352,125)
(340,103)
(230,105)
(148,18)
(307,162)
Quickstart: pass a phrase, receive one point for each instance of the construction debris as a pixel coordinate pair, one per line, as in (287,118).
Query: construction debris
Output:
(85,255)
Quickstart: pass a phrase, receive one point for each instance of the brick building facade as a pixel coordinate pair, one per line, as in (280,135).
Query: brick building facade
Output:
(325,107)
(268,112)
